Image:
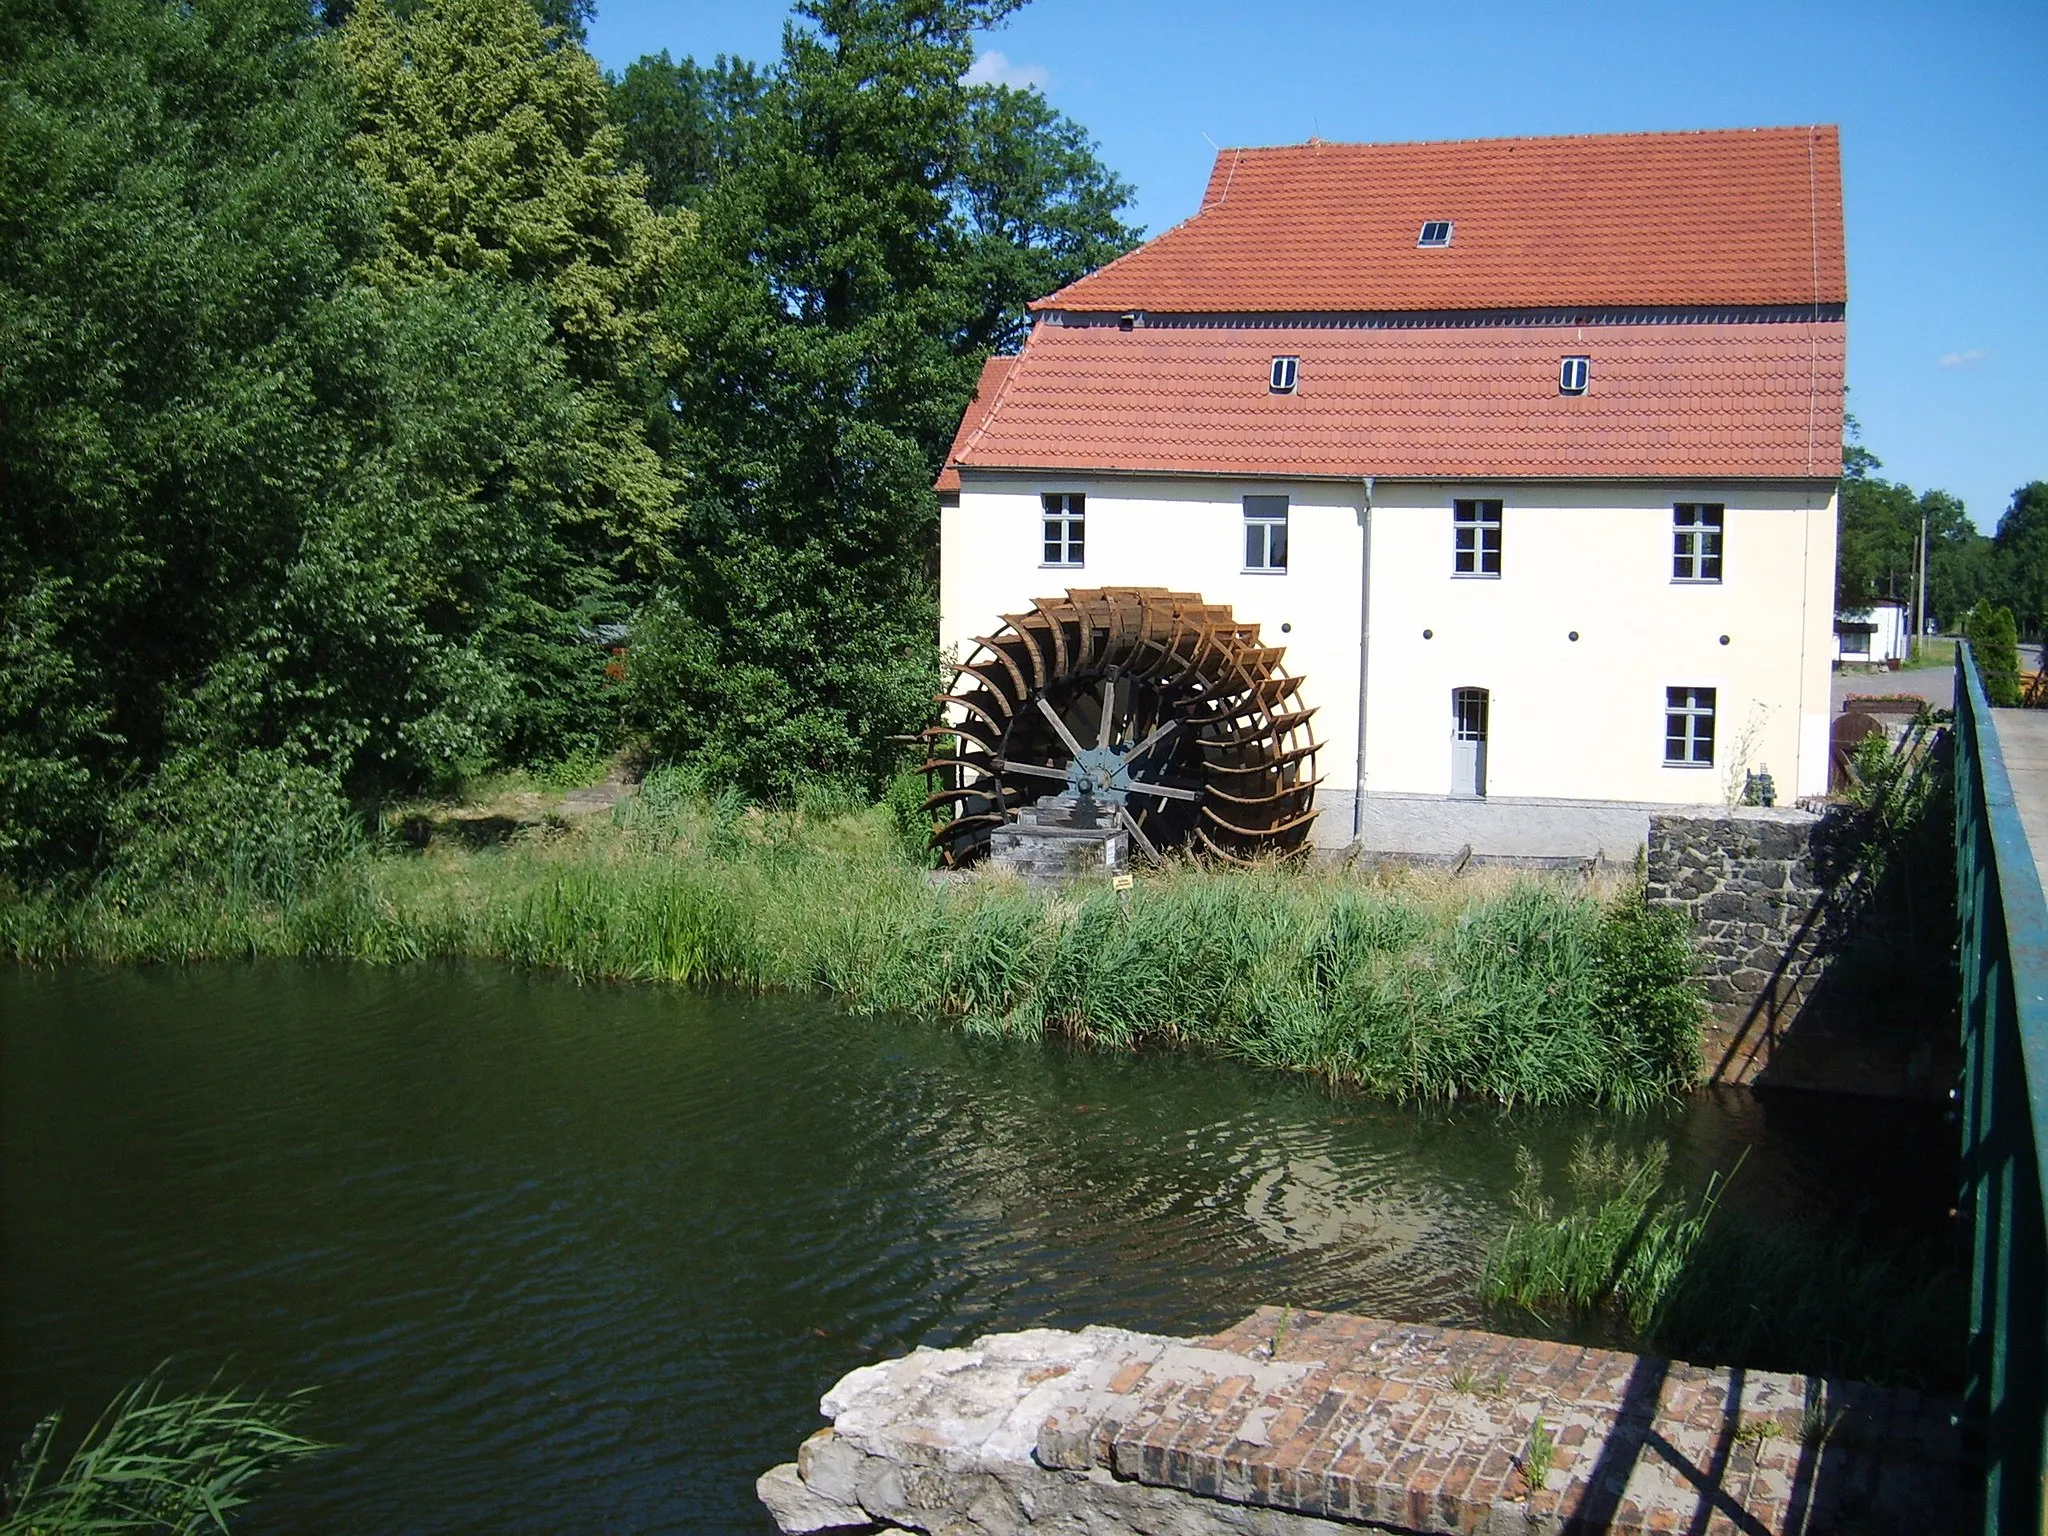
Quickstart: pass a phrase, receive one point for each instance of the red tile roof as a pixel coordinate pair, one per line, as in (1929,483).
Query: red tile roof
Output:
(1684,401)
(993,372)
(1737,217)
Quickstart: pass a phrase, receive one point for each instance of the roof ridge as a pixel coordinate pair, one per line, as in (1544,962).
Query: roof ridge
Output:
(1525,138)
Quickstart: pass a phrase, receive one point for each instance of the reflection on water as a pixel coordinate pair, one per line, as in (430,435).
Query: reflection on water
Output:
(582,1259)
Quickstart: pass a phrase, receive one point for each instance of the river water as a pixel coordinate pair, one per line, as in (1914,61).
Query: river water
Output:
(582,1259)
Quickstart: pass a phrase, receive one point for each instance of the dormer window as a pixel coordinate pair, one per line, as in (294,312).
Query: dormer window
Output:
(1572,375)
(1435,232)
(1286,370)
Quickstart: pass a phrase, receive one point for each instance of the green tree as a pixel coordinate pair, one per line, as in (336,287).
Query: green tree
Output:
(878,231)
(1879,529)
(2022,555)
(1994,641)
(681,122)
(494,153)
(176,218)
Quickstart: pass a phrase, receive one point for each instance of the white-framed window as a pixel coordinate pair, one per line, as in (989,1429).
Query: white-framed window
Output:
(1286,374)
(1475,538)
(1435,232)
(1066,527)
(1696,541)
(1265,533)
(1688,727)
(1573,373)
(1856,642)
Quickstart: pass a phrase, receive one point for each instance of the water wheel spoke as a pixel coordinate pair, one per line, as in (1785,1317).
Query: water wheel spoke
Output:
(1165,791)
(1030,770)
(1059,726)
(1159,733)
(1107,722)
(1145,844)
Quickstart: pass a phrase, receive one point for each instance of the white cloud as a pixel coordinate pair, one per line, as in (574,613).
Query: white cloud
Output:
(992,68)
(1968,358)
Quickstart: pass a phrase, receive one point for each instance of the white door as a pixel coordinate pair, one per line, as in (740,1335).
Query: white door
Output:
(1468,741)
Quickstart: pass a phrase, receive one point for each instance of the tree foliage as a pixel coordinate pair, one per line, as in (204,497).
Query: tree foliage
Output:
(364,365)
(290,466)
(871,236)
(1880,527)
(1994,642)
(681,122)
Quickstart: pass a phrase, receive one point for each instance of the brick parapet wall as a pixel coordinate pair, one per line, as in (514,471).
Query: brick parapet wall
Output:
(1307,1423)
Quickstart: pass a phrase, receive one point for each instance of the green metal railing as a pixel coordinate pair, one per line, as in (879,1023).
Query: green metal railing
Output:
(2004,933)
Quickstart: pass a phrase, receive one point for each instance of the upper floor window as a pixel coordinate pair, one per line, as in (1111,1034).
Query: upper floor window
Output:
(1265,533)
(1696,541)
(1688,727)
(1066,527)
(1475,546)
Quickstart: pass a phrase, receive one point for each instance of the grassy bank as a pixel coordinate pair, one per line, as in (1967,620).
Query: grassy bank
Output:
(1530,990)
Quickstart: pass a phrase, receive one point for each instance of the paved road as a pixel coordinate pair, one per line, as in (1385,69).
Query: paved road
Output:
(2023,737)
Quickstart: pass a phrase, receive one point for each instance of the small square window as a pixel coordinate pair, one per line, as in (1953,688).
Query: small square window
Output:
(1066,527)
(1688,727)
(1572,375)
(1475,538)
(1286,370)
(1696,541)
(1435,232)
(1265,533)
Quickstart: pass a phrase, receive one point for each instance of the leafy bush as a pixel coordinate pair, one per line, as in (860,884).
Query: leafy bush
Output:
(262,827)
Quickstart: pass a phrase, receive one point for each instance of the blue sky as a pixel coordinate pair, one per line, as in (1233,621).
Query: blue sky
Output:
(1943,110)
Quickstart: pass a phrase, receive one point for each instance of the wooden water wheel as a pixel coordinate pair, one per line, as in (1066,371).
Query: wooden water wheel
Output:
(1161,706)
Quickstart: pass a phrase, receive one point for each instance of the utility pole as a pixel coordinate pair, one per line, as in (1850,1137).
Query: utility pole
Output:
(1920,590)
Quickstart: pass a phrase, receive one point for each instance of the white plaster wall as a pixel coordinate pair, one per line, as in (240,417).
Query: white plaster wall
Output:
(1570,719)
(1585,718)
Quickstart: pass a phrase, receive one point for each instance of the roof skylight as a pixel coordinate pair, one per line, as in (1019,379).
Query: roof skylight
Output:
(1435,232)
(1286,370)
(1572,375)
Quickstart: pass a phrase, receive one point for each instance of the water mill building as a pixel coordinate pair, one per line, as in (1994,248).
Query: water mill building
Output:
(1518,457)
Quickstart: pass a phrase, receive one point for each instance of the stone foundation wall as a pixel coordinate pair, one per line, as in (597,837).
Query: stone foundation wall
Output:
(1746,880)
(1794,948)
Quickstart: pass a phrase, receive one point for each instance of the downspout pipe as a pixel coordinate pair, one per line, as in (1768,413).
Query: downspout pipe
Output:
(1364,654)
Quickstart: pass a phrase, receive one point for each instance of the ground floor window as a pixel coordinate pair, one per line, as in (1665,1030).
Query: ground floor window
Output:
(1855,642)
(1689,727)
(1066,527)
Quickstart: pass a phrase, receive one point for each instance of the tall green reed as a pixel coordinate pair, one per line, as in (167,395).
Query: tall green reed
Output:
(1410,988)
(153,1464)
